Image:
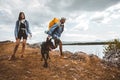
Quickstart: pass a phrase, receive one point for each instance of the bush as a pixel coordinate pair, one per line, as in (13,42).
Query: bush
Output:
(112,45)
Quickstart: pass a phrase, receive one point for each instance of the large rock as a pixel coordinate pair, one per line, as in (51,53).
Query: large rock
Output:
(36,45)
(7,41)
(113,57)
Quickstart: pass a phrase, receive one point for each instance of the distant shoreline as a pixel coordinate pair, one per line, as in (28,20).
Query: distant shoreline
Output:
(72,43)
(88,43)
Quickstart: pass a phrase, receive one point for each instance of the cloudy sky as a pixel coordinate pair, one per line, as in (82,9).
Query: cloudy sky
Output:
(87,20)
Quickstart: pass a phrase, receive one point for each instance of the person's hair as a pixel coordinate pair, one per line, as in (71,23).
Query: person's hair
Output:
(63,18)
(19,18)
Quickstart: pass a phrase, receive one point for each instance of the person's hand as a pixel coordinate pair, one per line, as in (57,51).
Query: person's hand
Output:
(30,35)
(16,38)
(46,32)
(49,37)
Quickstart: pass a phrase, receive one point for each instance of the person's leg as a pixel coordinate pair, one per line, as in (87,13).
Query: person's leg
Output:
(15,49)
(56,42)
(23,47)
(42,53)
(60,47)
(45,56)
(16,46)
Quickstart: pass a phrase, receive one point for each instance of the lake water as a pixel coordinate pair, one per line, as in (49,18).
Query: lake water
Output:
(89,49)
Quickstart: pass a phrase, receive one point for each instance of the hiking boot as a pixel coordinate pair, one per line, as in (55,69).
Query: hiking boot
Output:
(12,57)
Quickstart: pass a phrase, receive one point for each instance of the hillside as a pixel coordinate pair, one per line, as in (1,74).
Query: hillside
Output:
(78,66)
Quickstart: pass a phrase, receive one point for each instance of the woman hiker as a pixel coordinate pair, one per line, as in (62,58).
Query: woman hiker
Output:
(21,31)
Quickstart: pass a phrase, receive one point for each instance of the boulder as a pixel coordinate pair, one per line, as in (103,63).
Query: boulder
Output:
(113,57)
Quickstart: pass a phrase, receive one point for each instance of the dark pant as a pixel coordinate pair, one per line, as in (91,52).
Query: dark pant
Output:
(22,35)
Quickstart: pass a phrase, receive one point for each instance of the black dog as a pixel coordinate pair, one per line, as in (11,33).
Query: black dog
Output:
(45,48)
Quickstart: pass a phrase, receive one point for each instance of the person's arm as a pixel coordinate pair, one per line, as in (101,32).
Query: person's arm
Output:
(52,29)
(28,28)
(16,30)
(62,28)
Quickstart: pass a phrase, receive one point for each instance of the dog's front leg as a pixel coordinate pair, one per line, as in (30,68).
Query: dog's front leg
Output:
(45,60)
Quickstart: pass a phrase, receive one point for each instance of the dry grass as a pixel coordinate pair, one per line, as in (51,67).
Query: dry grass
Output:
(31,67)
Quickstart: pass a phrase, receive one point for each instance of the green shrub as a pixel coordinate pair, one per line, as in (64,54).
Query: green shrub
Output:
(112,45)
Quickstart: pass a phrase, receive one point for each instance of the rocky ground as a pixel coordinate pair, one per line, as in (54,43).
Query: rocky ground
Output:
(112,57)
(77,66)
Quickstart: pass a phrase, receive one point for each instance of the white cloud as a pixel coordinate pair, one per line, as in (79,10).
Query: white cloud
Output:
(81,26)
(6,32)
(6,28)
(113,34)
(86,20)
(81,22)
(79,37)
(107,15)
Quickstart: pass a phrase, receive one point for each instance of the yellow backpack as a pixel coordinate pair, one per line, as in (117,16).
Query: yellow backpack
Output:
(52,22)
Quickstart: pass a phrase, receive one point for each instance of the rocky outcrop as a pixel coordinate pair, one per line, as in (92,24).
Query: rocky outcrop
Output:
(7,41)
(113,57)
(36,45)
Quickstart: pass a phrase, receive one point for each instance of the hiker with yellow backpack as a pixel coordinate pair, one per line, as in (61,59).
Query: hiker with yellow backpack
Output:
(55,29)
